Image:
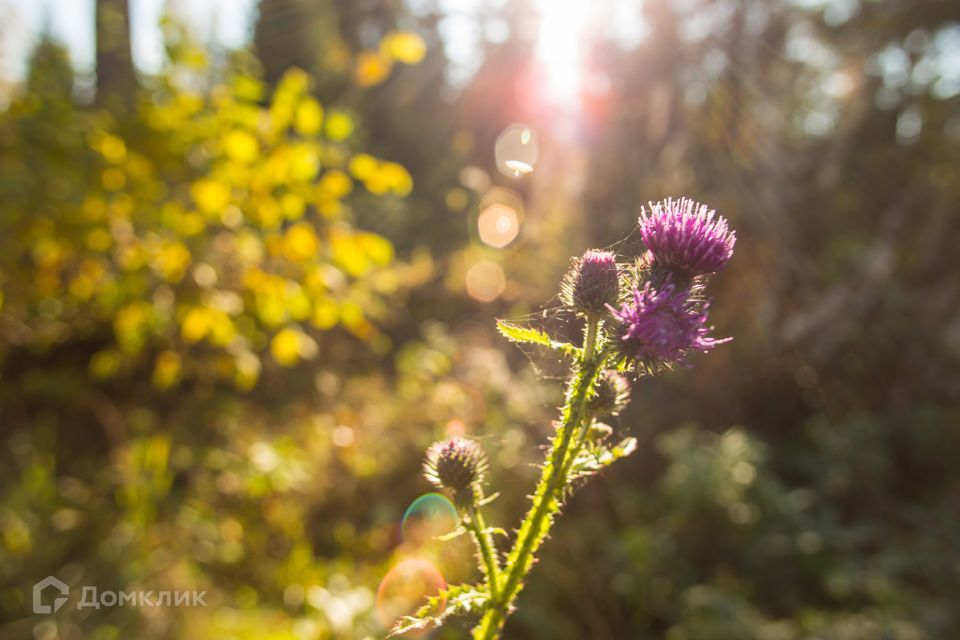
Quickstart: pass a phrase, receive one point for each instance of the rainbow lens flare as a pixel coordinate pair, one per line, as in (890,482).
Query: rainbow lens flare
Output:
(405,589)
(429,516)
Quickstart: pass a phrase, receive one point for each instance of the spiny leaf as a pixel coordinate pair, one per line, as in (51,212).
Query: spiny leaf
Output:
(456,533)
(592,460)
(488,499)
(454,600)
(516,333)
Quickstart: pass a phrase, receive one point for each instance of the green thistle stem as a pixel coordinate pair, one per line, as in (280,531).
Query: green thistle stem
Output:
(549,492)
(484,541)
(581,430)
(590,340)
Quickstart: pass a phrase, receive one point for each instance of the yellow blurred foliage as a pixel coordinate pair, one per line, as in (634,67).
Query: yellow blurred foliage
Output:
(335,185)
(219,224)
(403,46)
(241,146)
(300,242)
(371,68)
(210,196)
(166,370)
(339,126)
(195,325)
(288,346)
(309,117)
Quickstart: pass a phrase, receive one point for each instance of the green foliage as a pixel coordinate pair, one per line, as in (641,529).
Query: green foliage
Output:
(458,600)
(530,335)
(595,457)
(517,333)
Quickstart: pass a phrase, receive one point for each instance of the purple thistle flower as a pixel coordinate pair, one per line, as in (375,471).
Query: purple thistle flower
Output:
(592,282)
(662,326)
(686,237)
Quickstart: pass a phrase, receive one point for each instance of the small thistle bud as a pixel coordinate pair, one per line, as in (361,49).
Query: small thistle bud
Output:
(457,464)
(592,283)
(612,394)
(599,432)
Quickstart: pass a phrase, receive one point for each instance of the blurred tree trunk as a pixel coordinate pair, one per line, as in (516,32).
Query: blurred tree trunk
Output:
(115,76)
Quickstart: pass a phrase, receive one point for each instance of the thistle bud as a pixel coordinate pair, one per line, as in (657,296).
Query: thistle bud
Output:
(599,432)
(457,464)
(612,394)
(592,283)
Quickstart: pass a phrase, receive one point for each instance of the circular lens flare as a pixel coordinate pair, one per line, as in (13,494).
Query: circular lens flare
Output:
(516,150)
(485,281)
(428,517)
(406,588)
(498,225)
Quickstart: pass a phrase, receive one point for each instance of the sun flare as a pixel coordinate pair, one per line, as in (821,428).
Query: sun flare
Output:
(560,49)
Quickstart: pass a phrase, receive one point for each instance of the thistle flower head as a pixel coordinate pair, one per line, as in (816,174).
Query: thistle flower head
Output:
(685,237)
(592,283)
(612,394)
(457,464)
(660,326)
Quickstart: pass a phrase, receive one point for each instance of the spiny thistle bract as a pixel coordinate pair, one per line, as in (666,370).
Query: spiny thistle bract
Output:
(661,319)
(457,464)
(592,282)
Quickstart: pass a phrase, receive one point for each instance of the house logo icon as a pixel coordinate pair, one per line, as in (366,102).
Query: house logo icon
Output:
(50,581)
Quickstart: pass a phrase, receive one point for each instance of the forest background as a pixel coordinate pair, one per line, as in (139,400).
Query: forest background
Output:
(242,291)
